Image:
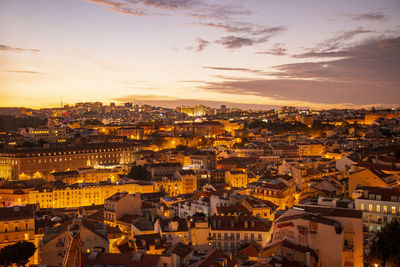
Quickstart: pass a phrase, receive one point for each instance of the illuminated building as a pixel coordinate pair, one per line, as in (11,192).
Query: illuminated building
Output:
(236,178)
(380,205)
(119,204)
(205,128)
(309,150)
(18,224)
(75,195)
(230,232)
(50,135)
(195,111)
(135,133)
(336,234)
(57,240)
(36,163)
(189,180)
(370,177)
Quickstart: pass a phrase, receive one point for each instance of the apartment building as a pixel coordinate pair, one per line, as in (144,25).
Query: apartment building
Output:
(37,163)
(380,205)
(18,224)
(230,232)
(119,204)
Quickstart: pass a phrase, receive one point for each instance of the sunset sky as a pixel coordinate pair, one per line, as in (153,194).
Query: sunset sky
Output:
(319,54)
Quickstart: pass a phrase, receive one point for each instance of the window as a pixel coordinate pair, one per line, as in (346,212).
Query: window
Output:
(393,210)
(238,236)
(259,237)
(252,237)
(371,228)
(378,208)
(378,228)
(370,207)
(384,209)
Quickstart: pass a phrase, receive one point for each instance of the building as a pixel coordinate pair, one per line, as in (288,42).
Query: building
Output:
(36,163)
(57,240)
(230,232)
(173,230)
(134,133)
(157,170)
(380,205)
(18,224)
(119,204)
(47,134)
(336,234)
(260,208)
(370,177)
(189,180)
(309,150)
(236,179)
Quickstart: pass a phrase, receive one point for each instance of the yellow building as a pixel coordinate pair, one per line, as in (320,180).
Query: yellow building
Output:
(170,186)
(236,178)
(370,177)
(76,195)
(18,224)
(309,150)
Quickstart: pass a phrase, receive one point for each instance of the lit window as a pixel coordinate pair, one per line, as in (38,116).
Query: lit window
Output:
(378,208)
(393,210)
(362,206)
(384,209)
(370,207)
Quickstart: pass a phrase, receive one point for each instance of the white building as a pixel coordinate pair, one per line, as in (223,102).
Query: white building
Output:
(380,205)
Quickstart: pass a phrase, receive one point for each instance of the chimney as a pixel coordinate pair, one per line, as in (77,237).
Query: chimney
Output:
(308,259)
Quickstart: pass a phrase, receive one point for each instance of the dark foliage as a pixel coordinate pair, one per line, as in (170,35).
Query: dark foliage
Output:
(385,251)
(18,253)
(12,123)
(139,173)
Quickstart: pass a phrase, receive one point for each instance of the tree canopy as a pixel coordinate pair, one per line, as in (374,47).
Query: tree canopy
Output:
(139,173)
(12,123)
(385,250)
(18,253)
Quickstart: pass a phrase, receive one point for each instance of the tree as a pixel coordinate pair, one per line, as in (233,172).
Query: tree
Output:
(18,253)
(138,173)
(385,250)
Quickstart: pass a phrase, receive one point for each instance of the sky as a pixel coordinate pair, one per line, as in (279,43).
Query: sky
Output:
(253,53)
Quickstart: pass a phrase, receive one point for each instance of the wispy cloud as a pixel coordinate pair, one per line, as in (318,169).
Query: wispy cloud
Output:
(331,46)
(24,71)
(200,45)
(278,49)
(233,69)
(7,48)
(244,28)
(372,16)
(191,8)
(235,42)
(367,75)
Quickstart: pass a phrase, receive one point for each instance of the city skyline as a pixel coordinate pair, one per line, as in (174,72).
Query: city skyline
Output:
(258,53)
